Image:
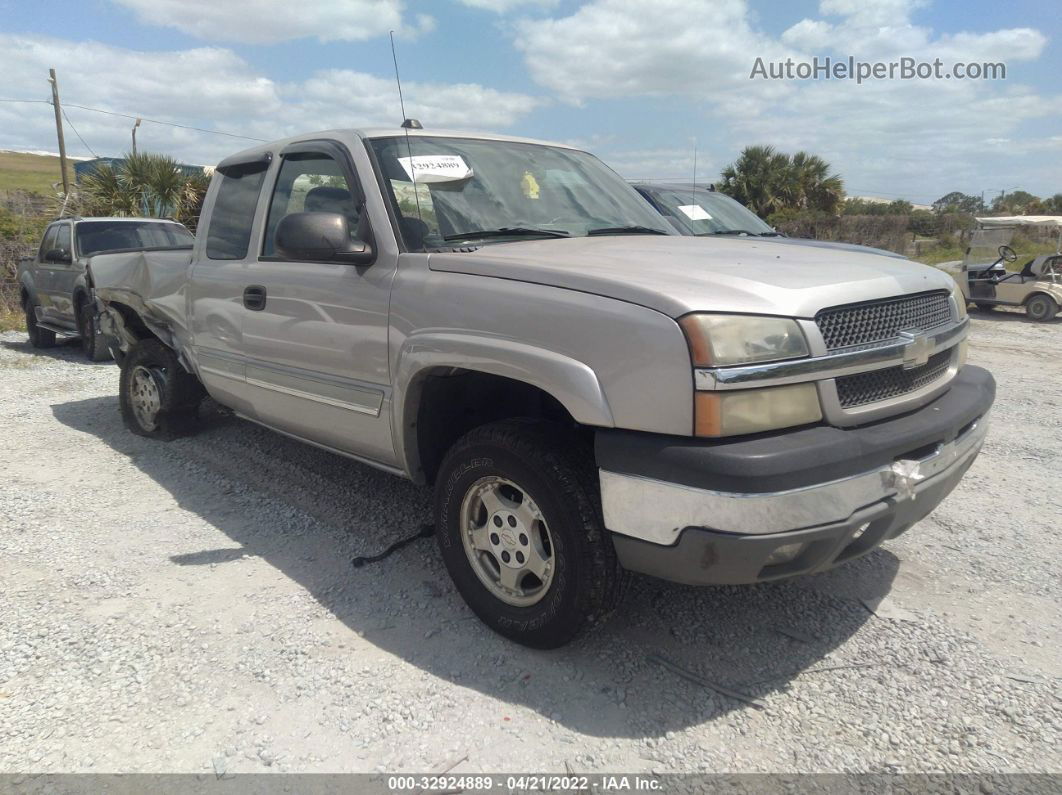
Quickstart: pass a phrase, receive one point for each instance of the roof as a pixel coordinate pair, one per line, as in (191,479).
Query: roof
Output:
(384,132)
(1019,220)
(118,219)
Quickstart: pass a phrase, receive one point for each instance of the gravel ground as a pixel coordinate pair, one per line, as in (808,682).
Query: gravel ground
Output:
(190,607)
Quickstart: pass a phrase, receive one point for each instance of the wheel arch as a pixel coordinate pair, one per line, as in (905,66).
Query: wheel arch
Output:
(449,383)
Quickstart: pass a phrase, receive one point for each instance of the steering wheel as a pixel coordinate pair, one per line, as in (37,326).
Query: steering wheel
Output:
(1007,253)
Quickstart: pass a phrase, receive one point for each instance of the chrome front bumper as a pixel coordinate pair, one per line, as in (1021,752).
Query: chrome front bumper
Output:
(658,512)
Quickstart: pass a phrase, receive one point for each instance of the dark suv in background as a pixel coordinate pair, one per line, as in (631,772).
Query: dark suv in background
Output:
(702,212)
(56,291)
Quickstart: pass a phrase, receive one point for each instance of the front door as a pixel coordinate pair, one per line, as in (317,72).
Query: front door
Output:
(64,276)
(316,338)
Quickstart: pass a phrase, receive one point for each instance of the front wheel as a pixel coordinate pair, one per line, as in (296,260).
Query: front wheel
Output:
(158,397)
(1041,308)
(519,526)
(92,342)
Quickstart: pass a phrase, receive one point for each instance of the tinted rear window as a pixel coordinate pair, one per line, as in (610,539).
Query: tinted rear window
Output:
(94,237)
(229,232)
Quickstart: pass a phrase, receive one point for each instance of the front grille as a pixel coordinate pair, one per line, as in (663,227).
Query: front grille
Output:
(881,321)
(863,388)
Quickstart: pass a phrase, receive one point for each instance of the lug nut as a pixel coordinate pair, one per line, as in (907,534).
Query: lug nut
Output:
(497,521)
(512,521)
(506,557)
(523,540)
(519,557)
(494,539)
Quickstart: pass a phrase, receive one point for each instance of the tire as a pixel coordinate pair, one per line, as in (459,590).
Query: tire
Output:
(1041,308)
(93,344)
(522,469)
(38,337)
(157,396)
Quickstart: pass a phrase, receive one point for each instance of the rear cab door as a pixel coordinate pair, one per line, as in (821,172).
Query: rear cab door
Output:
(219,275)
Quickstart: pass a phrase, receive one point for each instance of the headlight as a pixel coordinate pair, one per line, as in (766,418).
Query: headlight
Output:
(960,301)
(721,340)
(755,410)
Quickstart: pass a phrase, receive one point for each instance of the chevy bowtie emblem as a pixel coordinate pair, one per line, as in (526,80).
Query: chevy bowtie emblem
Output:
(916,351)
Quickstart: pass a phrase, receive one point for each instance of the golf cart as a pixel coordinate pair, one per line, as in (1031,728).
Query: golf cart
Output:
(1037,286)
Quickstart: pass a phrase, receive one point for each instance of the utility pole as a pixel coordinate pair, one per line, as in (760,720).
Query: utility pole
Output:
(59,130)
(134,133)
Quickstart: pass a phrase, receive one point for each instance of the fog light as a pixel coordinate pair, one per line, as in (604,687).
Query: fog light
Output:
(784,554)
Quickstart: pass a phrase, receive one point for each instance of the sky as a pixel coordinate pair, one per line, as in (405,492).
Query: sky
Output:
(640,83)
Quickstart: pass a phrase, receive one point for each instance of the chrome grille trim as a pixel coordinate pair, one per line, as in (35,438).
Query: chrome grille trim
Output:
(877,322)
(832,365)
(861,389)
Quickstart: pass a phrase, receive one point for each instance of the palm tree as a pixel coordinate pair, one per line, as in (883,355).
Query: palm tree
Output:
(143,184)
(758,179)
(814,188)
(766,181)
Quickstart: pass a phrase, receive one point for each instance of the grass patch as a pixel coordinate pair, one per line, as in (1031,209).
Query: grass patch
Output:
(32,173)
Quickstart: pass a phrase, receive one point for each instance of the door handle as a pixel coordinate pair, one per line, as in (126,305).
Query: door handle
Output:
(254,297)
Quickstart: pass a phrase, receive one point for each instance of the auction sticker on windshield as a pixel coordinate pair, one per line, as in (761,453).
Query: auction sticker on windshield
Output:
(695,212)
(436,168)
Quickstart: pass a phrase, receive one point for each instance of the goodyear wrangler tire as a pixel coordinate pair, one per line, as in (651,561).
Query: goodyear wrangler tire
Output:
(518,522)
(158,397)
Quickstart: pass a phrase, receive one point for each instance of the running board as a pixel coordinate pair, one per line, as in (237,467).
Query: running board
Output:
(63,332)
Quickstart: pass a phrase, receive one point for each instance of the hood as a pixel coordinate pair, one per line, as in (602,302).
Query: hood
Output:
(677,275)
(803,241)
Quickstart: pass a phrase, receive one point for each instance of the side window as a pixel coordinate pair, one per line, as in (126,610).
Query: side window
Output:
(229,231)
(310,182)
(62,238)
(48,243)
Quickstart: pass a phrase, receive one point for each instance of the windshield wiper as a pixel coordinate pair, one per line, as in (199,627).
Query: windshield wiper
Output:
(626,230)
(736,232)
(507,231)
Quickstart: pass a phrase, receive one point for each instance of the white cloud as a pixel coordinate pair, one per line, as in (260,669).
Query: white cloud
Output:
(892,133)
(268,21)
(621,48)
(213,88)
(503,6)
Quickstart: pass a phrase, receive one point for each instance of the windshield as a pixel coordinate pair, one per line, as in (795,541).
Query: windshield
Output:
(96,236)
(701,212)
(499,191)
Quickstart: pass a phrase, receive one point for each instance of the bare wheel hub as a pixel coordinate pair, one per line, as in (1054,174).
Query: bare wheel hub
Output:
(507,541)
(146,396)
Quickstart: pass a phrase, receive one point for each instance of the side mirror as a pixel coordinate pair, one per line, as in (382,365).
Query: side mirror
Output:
(320,237)
(57,255)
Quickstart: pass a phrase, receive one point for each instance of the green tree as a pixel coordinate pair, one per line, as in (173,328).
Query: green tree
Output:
(143,184)
(768,182)
(958,202)
(1016,203)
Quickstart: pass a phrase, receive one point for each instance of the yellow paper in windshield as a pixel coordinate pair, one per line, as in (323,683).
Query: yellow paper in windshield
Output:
(529,185)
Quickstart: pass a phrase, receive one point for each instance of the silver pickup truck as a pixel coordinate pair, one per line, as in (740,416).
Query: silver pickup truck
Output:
(588,392)
(56,293)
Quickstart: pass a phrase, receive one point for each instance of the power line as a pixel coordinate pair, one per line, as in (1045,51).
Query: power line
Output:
(72,127)
(152,121)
